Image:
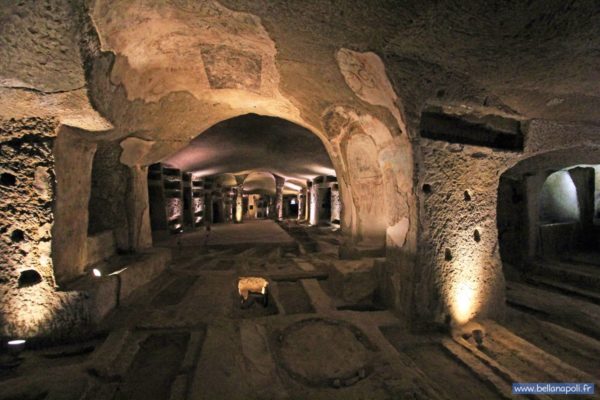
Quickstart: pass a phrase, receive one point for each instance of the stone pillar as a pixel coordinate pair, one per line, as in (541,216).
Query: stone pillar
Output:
(301,204)
(271,207)
(226,204)
(336,204)
(74,156)
(279,182)
(239,204)
(307,201)
(208,201)
(315,203)
(138,209)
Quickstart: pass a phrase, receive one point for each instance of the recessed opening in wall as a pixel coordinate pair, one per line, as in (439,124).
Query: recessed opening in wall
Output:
(549,209)
(17,235)
(448,255)
(455,126)
(8,179)
(29,277)
(426,188)
(476,236)
(109,185)
(467,195)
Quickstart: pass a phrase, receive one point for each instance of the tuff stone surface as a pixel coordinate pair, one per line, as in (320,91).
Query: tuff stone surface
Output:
(27,217)
(151,77)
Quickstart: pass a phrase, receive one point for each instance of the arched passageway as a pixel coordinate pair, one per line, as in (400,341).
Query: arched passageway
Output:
(552,196)
(252,160)
(547,236)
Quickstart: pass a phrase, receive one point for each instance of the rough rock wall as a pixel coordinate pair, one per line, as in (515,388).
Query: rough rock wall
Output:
(29,302)
(460,275)
(459,229)
(39,46)
(74,153)
(27,185)
(107,200)
(512,216)
(138,209)
(41,73)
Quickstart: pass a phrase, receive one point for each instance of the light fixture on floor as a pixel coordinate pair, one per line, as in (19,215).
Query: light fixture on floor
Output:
(97,273)
(16,346)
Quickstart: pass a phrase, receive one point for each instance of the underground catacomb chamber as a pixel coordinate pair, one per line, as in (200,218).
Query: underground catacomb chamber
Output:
(244,169)
(298,200)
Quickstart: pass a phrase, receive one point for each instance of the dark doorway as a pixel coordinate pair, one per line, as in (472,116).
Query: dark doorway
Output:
(325,209)
(216,212)
(293,208)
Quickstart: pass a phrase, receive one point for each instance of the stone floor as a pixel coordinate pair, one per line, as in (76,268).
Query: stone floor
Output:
(185,336)
(259,232)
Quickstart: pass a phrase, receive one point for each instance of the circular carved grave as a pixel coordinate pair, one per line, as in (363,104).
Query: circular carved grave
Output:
(320,352)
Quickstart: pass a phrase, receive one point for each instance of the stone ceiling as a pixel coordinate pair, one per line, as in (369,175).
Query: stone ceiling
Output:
(251,143)
(153,71)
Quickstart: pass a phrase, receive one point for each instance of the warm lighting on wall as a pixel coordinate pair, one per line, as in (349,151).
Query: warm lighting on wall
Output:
(238,212)
(463,302)
(293,186)
(464,294)
(45,260)
(314,208)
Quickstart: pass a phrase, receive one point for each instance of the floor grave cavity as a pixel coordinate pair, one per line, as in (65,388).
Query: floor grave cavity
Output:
(154,368)
(293,298)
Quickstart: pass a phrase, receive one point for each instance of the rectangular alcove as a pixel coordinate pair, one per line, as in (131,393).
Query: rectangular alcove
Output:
(476,129)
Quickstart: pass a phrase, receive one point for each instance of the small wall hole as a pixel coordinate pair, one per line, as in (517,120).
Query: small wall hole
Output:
(448,255)
(17,235)
(7,179)
(29,277)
